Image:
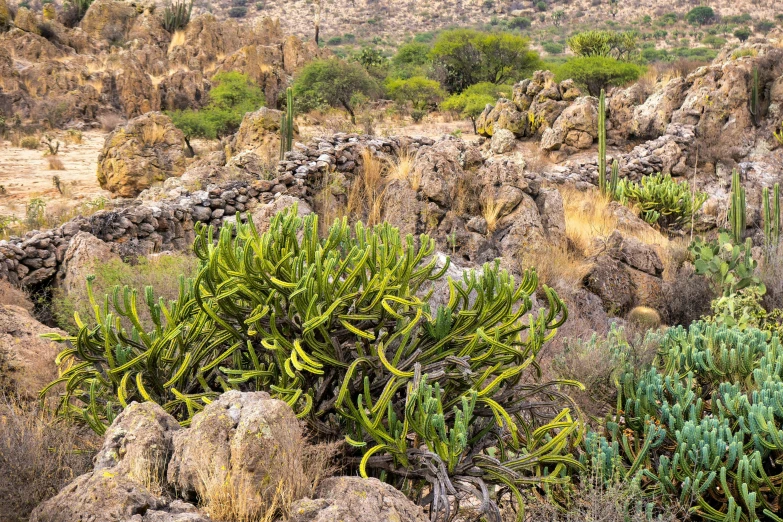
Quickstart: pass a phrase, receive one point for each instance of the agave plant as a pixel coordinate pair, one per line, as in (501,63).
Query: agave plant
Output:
(340,328)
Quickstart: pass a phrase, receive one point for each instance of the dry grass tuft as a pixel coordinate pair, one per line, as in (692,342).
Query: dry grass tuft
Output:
(177,39)
(153,134)
(491,210)
(295,469)
(39,455)
(557,266)
(365,197)
(55,163)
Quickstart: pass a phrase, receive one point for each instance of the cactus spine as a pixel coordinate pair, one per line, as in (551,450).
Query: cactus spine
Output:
(287,124)
(737,208)
(772,216)
(602,143)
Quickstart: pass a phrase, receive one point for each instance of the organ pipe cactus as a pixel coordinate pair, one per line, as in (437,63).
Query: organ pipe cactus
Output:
(177,16)
(287,124)
(703,424)
(771,216)
(340,328)
(737,208)
(754,96)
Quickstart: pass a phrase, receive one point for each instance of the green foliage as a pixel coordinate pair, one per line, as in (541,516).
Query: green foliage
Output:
(702,425)
(553,47)
(744,310)
(176,16)
(742,33)
(287,124)
(729,266)
(771,217)
(604,43)
(412,59)
(464,57)
(598,72)
(471,102)
(542,6)
(419,91)
(233,95)
(661,200)
(333,82)
(701,15)
(764,26)
(373,61)
(519,22)
(237,12)
(339,327)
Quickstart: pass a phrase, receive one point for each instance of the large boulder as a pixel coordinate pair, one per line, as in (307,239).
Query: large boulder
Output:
(502,115)
(236,442)
(612,284)
(259,132)
(262,216)
(442,166)
(108,21)
(146,150)
(84,252)
(503,141)
(650,119)
(575,128)
(354,499)
(26,359)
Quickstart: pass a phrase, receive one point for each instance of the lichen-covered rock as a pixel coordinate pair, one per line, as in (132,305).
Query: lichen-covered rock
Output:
(650,119)
(354,499)
(84,252)
(442,166)
(138,444)
(145,150)
(262,217)
(235,440)
(612,284)
(5,15)
(634,253)
(576,127)
(26,21)
(107,21)
(259,131)
(503,141)
(502,115)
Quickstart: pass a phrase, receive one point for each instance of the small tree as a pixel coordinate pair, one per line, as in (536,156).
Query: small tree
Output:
(471,102)
(420,91)
(701,15)
(412,59)
(334,82)
(742,33)
(599,72)
(604,43)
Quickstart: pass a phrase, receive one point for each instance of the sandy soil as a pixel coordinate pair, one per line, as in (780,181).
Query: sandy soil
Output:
(25,174)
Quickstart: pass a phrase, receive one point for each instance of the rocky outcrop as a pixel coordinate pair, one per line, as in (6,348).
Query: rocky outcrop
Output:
(84,252)
(576,128)
(503,141)
(259,131)
(145,150)
(353,499)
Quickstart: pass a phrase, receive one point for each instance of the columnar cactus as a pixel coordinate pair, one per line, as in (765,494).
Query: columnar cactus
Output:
(771,217)
(737,208)
(177,16)
(287,124)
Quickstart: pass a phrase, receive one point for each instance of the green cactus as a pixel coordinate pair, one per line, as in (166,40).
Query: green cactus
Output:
(602,144)
(287,124)
(771,217)
(614,179)
(737,208)
(754,96)
(339,327)
(703,424)
(728,266)
(661,200)
(177,16)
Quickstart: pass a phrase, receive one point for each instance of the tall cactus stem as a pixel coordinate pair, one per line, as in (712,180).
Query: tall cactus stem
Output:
(602,143)
(737,210)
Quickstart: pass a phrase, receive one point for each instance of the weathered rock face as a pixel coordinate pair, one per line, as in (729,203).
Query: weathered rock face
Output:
(575,128)
(26,360)
(145,150)
(503,141)
(259,131)
(353,499)
(503,115)
(84,252)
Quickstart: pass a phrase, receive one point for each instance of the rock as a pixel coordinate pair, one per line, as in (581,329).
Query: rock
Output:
(236,441)
(107,21)
(634,253)
(441,167)
(612,284)
(26,21)
(26,359)
(147,149)
(138,444)
(84,253)
(577,127)
(648,291)
(262,217)
(503,141)
(260,132)
(354,499)
(99,496)
(650,119)
(503,115)
(402,207)
(520,231)
(552,212)
(621,106)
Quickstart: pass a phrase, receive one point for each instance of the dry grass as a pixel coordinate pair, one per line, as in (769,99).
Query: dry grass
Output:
(177,39)
(109,122)
(557,265)
(366,195)
(401,167)
(153,134)
(294,470)
(55,163)
(491,210)
(39,455)
(73,136)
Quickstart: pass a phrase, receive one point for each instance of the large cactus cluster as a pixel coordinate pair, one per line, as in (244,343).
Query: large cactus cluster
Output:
(340,328)
(703,425)
(177,16)
(662,200)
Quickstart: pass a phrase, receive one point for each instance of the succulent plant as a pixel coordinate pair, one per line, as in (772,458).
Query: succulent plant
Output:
(287,124)
(177,16)
(729,267)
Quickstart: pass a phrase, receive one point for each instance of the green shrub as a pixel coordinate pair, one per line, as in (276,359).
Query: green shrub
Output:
(764,26)
(701,15)
(702,425)
(233,95)
(742,33)
(30,142)
(471,102)
(419,91)
(553,47)
(604,43)
(716,42)
(340,328)
(661,200)
(519,22)
(237,12)
(598,72)
(542,6)
(412,59)
(335,40)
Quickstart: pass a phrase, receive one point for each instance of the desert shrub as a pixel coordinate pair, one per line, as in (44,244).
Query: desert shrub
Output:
(553,47)
(701,425)
(542,6)
(598,72)
(603,43)
(661,200)
(519,22)
(471,102)
(30,142)
(764,26)
(334,82)
(701,15)
(159,272)
(232,95)
(412,59)
(39,455)
(340,328)
(716,42)
(237,12)
(742,33)
(464,57)
(419,91)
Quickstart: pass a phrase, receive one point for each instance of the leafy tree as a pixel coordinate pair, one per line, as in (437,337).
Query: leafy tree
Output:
(764,26)
(542,6)
(420,91)
(412,59)
(598,72)
(742,33)
(519,22)
(557,17)
(604,43)
(334,82)
(374,61)
(701,15)
(464,57)
(471,102)
(233,95)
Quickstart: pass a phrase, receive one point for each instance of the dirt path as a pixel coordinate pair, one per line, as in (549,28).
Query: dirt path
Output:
(25,174)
